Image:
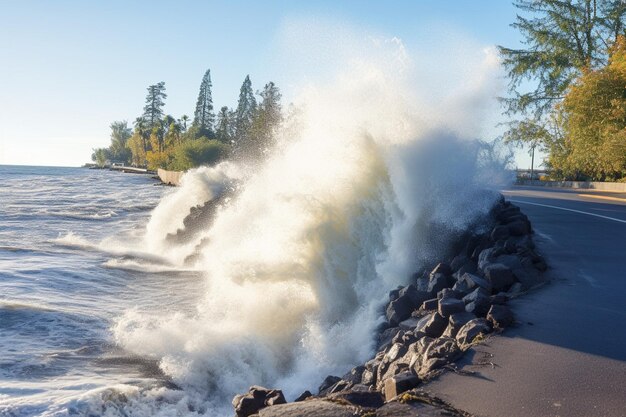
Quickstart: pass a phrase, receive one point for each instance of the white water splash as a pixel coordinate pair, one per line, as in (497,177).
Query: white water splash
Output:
(300,261)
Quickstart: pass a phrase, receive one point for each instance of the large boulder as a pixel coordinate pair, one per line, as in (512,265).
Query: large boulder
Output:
(473,281)
(432,325)
(409,299)
(500,316)
(456,321)
(400,383)
(449,305)
(328,382)
(438,353)
(500,276)
(256,399)
(315,407)
(470,330)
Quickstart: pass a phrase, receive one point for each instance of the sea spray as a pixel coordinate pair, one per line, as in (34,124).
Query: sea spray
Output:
(300,260)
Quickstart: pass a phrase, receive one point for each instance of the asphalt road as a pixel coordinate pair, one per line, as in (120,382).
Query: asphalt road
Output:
(567,355)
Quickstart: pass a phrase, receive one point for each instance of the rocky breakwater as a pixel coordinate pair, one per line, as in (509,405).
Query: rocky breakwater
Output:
(429,325)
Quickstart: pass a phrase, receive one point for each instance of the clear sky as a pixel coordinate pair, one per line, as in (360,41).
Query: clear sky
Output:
(69,68)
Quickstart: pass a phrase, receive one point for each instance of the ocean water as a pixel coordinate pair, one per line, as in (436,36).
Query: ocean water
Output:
(59,294)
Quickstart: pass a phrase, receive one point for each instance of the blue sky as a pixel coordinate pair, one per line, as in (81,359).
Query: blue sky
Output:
(69,68)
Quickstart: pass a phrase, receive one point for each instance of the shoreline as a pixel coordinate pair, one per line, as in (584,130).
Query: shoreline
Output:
(430,325)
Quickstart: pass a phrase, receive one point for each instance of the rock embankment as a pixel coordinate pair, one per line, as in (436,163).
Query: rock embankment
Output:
(429,325)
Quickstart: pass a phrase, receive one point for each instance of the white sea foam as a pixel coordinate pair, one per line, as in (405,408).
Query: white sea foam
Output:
(368,188)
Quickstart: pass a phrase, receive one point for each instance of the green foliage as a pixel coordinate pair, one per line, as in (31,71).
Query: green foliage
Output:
(594,144)
(161,141)
(197,152)
(100,156)
(562,38)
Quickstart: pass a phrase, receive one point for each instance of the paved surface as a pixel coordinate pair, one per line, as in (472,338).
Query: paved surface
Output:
(567,356)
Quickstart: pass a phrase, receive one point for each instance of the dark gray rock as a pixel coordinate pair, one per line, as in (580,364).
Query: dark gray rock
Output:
(447,293)
(355,375)
(306,394)
(500,276)
(499,233)
(458,262)
(500,316)
(328,382)
(510,261)
(409,299)
(386,337)
(519,228)
(441,268)
(432,325)
(474,281)
(528,277)
(499,298)
(438,282)
(485,258)
(449,305)
(400,383)
(430,305)
(256,399)
(471,330)
(367,399)
(315,407)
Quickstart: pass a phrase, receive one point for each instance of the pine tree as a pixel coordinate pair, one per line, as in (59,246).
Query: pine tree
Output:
(153,110)
(204,118)
(267,119)
(224,128)
(246,106)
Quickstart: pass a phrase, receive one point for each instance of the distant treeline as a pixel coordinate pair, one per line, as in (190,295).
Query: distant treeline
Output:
(162,141)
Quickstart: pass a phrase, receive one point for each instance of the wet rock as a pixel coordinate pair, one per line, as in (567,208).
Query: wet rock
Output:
(485,258)
(430,305)
(449,305)
(500,316)
(400,383)
(409,324)
(510,261)
(458,262)
(355,375)
(456,321)
(447,293)
(367,399)
(432,325)
(400,309)
(256,399)
(441,268)
(438,282)
(306,394)
(471,330)
(499,233)
(310,408)
(328,382)
(500,276)
(474,281)
(528,277)
(386,337)
(499,298)
(519,228)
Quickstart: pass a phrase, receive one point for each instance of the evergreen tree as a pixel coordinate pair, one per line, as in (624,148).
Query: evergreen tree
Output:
(153,110)
(224,128)
(246,106)
(267,119)
(204,118)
